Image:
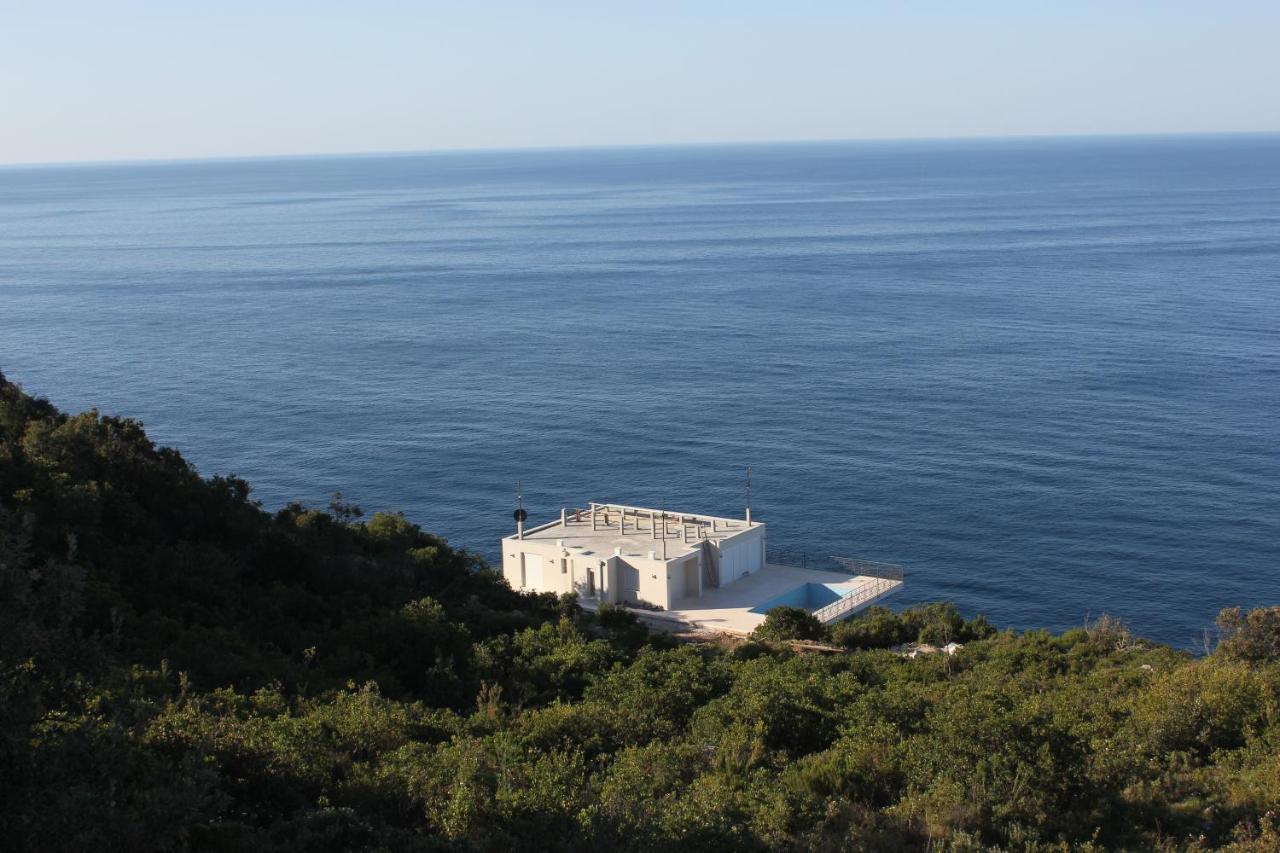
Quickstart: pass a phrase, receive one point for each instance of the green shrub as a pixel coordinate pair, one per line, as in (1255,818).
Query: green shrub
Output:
(1252,636)
(615,617)
(876,628)
(790,623)
(938,624)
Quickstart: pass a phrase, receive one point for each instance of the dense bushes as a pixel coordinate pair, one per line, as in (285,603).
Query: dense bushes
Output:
(181,670)
(877,627)
(935,624)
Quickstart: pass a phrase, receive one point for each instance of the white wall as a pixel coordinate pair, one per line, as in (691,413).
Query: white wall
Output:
(643,580)
(741,555)
(534,565)
(625,577)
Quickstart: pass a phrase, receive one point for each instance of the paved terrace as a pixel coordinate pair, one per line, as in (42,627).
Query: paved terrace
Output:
(728,608)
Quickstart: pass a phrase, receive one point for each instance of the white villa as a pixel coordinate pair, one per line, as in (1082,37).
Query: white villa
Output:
(698,570)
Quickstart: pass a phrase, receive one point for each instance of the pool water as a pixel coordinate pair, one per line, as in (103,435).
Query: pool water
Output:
(809,596)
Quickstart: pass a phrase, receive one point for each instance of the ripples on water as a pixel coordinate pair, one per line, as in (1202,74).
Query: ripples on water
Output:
(1042,375)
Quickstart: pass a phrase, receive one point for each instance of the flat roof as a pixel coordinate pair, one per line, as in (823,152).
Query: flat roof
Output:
(685,531)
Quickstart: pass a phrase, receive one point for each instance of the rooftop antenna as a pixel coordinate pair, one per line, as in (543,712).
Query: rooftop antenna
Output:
(748,495)
(520,514)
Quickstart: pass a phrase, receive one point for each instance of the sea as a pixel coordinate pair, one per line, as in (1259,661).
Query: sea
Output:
(1043,375)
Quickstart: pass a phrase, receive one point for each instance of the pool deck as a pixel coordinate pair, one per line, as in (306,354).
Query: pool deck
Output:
(728,608)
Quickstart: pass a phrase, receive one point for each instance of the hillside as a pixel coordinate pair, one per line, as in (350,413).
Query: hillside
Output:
(180,669)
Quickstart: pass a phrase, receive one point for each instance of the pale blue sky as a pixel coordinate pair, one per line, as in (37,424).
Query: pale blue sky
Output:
(124,80)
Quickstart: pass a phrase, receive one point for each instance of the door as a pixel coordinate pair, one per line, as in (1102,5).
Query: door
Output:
(531,577)
(692,571)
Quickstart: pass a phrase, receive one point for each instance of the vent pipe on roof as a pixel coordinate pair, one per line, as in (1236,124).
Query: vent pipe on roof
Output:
(748,495)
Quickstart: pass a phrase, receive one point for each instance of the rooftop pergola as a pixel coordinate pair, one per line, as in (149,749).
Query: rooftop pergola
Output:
(609,528)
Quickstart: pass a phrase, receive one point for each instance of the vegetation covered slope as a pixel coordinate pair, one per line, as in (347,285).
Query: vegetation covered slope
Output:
(181,670)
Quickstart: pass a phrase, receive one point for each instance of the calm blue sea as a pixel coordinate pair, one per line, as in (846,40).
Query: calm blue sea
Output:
(1042,375)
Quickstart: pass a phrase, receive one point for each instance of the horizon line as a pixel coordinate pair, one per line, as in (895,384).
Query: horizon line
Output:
(514,149)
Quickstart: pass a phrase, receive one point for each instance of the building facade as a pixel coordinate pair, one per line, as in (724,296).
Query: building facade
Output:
(636,555)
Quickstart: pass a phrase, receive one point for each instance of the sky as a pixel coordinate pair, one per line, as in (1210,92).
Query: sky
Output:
(125,80)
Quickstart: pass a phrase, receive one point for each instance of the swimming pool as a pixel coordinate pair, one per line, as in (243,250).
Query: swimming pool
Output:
(809,596)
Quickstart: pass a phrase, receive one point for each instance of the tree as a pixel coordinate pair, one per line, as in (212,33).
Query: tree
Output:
(1252,636)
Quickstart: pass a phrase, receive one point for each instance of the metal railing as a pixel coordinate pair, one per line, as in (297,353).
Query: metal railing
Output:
(871,568)
(844,565)
(847,603)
